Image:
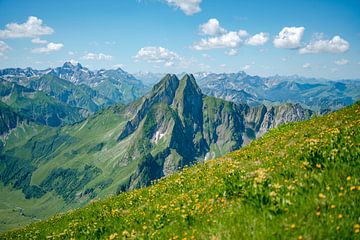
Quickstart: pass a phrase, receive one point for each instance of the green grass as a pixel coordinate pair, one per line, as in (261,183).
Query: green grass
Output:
(299,181)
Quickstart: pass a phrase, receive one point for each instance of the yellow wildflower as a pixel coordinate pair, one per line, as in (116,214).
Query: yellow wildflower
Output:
(340,216)
(348,178)
(322,195)
(113,236)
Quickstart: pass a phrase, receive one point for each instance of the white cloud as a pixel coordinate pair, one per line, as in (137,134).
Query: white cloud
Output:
(71,53)
(189,7)
(97,56)
(156,55)
(211,27)
(289,37)
(246,67)
(160,55)
(258,39)
(3,47)
(341,62)
(243,33)
(38,41)
(227,40)
(231,52)
(32,28)
(334,45)
(50,47)
(306,65)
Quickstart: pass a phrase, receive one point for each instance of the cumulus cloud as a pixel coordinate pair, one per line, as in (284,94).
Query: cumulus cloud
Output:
(50,47)
(3,47)
(231,52)
(211,27)
(227,40)
(306,65)
(32,28)
(341,62)
(243,33)
(289,37)
(189,7)
(97,56)
(334,45)
(38,41)
(158,55)
(258,39)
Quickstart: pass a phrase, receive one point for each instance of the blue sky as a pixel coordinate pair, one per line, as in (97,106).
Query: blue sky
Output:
(307,37)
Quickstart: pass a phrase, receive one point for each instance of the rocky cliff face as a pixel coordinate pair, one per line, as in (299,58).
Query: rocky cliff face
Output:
(9,119)
(176,125)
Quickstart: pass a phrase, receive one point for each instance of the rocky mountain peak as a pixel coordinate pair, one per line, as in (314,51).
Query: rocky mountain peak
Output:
(71,65)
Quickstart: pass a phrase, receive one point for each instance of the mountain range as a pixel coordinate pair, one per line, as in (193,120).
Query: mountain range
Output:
(122,147)
(320,95)
(78,86)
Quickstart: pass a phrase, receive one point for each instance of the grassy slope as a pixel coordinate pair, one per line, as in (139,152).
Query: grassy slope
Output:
(301,180)
(92,131)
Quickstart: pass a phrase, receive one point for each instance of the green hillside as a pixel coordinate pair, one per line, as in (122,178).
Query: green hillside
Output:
(38,106)
(299,181)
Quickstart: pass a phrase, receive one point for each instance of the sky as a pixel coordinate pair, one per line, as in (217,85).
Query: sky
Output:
(313,38)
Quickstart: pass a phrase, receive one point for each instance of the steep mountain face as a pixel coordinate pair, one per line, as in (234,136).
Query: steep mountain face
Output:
(9,119)
(37,106)
(126,147)
(74,73)
(316,94)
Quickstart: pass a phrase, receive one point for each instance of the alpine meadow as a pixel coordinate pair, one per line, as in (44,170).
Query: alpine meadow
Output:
(179,119)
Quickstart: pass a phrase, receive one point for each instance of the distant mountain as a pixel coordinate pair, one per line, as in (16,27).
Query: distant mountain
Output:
(149,78)
(74,73)
(317,94)
(111,86)
(81,96)
(117,85)
(127,146)
(38,106)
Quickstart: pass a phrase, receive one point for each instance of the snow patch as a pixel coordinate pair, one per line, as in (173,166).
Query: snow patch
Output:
(158,135)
